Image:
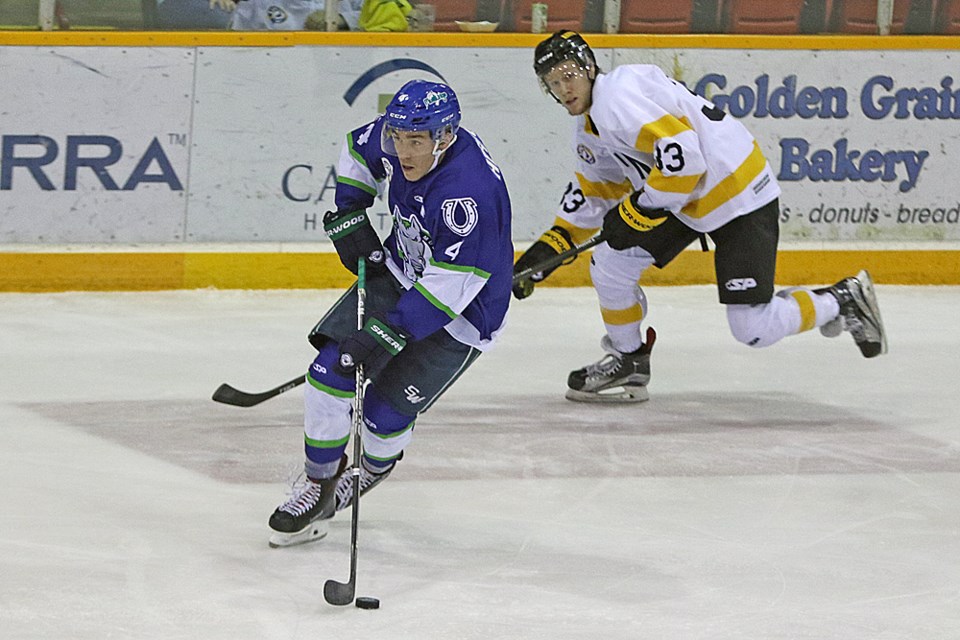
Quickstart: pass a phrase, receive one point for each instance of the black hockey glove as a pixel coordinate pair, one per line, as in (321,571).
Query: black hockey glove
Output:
(354,238)
(552,243)
(376,341)
(625,224)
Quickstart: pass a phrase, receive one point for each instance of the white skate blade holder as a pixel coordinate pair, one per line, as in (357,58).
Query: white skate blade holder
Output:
(314,531)
(619,395)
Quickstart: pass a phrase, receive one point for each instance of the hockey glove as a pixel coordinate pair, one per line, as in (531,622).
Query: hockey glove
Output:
(354,238)
(624,226)
(552,243)
(368,346)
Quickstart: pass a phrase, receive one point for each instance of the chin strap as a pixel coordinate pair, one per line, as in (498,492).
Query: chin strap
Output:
(438,153)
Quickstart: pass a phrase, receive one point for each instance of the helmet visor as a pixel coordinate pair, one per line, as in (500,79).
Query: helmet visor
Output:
(555,79)
(412,144)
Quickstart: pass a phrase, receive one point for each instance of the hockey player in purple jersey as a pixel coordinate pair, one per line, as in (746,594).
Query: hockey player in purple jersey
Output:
(436,293)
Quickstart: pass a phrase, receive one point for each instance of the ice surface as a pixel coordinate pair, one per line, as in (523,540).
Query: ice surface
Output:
(799,491)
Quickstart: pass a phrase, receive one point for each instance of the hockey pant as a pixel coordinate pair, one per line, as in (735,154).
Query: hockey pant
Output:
(397,392)
(790,311)
(328,419)
(623,304)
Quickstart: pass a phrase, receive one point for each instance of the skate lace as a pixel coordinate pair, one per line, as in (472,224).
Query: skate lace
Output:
(304,495)
(604,367)
(345,486)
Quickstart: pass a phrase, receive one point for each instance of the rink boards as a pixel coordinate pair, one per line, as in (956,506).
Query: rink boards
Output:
(181,160)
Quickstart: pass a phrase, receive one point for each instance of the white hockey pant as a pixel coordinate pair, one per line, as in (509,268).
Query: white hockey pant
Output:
(790,311)
(623,304)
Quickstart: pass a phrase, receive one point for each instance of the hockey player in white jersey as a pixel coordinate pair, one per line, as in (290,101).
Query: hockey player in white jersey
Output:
(658,166)
(437,292)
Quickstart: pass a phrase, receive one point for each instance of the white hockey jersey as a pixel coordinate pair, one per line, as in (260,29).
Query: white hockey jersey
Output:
(645,130)
(287,15)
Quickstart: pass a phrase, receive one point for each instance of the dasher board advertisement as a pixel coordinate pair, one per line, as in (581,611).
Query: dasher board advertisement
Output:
(240,144)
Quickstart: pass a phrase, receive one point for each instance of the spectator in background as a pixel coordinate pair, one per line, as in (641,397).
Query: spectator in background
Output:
(282,15)
(289,15)
(192,14)
(385,15)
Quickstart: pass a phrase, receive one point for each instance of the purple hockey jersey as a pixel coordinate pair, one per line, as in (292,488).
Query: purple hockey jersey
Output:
(450,245)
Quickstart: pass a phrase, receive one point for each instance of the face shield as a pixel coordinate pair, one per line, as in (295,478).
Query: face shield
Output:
(415,143)
(567,73)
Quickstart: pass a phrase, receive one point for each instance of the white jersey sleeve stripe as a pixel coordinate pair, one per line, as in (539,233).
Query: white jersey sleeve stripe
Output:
(450,291)
(730,187)
(460,268)
(353,170)
(666,127)
(672,184)
(603,189)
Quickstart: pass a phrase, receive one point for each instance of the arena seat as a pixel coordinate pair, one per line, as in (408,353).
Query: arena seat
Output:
(561,14)
(643,16)
(948,17)
(860,16)
(761,16)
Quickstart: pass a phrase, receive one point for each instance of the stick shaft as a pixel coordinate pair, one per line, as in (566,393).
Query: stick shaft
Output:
(357,426)
(558,259)
(334,592)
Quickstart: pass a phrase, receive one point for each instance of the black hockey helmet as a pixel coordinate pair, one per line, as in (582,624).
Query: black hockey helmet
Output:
(563,45)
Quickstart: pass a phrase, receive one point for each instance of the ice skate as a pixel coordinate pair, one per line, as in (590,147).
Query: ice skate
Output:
(301,518)
(859,314)
(617,377)
(368,480)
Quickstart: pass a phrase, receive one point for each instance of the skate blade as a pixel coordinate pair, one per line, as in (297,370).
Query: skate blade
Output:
(315,531)
(870,296)
(620,395)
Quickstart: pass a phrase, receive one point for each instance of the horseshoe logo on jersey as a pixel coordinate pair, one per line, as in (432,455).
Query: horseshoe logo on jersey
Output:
(460,215)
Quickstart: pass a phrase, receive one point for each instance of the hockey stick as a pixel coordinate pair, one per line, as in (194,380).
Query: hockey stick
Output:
(232,396)
(558,259)
(340,593)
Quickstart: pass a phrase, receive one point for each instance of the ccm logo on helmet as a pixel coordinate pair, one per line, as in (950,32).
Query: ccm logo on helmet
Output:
(740,284)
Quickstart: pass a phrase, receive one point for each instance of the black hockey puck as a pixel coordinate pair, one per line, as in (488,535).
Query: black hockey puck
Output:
(367,603)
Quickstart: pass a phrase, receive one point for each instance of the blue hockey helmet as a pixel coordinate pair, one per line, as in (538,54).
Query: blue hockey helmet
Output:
(421,105)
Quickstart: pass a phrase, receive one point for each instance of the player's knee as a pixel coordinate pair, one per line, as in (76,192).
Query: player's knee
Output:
(615,273)
(322,370)
(641,300)
(750,324)
(381,417)
(386,431)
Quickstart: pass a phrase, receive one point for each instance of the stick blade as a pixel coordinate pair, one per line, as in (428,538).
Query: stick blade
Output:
(339,593)
(229,395)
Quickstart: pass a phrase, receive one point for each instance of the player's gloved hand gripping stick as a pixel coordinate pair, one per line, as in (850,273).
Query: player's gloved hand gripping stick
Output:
(524,276)
(354,238)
